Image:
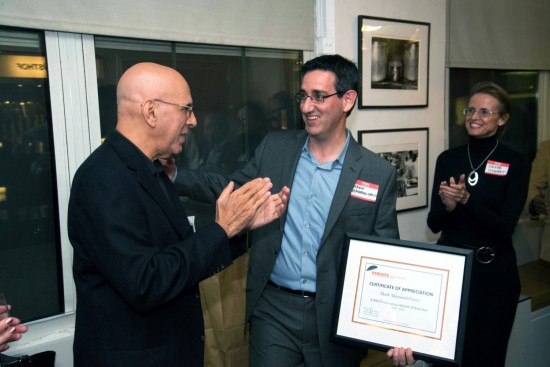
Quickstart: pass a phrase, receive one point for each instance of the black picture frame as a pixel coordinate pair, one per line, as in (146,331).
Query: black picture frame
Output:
(393,62)
(436,278)
(408,151)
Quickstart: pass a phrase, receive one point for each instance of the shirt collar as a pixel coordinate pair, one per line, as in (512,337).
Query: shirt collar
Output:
(342,154)
(156,167)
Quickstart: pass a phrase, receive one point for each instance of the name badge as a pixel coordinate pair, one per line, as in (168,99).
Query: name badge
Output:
(497,168)
(365,191)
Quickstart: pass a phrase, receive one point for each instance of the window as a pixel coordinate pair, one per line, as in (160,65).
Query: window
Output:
(34,182)
(29,227)
(520,132)
(239,94)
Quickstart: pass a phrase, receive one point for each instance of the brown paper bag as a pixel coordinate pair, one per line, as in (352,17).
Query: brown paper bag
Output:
(223,306)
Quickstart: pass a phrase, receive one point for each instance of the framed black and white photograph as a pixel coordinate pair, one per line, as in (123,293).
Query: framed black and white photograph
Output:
(407,151)
(393,61)
(403,293)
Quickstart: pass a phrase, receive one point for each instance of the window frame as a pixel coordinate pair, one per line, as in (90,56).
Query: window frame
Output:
(76,133)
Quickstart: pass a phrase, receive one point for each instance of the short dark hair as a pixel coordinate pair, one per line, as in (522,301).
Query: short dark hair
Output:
(346,72)
(495,91)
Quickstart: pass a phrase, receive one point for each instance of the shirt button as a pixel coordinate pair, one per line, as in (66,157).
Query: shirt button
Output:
(306,225)
(306,253)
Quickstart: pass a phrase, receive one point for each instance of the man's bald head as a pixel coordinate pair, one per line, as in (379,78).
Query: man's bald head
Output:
(148,80)
(138,115)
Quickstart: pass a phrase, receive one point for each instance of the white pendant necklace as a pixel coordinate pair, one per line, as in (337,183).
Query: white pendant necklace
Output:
(473,177)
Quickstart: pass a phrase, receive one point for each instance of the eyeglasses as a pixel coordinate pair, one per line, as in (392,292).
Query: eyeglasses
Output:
(482,112)
(315,98)
(188,109)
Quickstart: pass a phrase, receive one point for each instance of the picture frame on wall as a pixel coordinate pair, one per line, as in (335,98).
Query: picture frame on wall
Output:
(393,62)
(407,151)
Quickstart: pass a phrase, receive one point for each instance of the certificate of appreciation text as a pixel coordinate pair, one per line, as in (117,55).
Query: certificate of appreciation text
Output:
(403,297)
(396,293)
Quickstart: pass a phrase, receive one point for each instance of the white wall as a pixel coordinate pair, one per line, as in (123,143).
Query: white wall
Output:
(412,224)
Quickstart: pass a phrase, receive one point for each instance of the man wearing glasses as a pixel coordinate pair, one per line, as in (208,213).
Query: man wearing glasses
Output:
(337,186)
(137,263)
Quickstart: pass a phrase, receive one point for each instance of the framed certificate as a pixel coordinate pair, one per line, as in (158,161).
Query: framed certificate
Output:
(396,293)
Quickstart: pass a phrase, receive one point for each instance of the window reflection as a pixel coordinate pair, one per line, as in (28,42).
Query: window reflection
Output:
(520,132)
(239,94)
(29,230)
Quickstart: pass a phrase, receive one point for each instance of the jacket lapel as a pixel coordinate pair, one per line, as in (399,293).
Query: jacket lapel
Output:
(152,187)
(350,173)
(136,162)
(290,159)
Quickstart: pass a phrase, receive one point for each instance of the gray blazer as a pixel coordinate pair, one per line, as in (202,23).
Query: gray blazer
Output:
(277,157)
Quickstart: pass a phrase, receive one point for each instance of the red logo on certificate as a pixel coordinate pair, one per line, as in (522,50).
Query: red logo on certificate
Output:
(365,191)
(497,168)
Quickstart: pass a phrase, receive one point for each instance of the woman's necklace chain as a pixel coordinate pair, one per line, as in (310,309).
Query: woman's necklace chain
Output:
(473,177)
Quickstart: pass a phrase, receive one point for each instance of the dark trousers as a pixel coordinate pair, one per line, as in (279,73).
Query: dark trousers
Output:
(491,313)
(283,331)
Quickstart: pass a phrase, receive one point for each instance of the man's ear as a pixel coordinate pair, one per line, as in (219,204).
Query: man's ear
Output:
(149,113)
(349,100)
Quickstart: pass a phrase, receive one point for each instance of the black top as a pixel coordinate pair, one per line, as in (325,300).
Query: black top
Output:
(495,204)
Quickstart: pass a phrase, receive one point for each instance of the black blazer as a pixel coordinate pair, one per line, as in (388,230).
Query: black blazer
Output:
(277,157)
(137,264)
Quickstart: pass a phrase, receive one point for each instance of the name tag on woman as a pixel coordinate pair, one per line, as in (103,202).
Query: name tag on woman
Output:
(497,168)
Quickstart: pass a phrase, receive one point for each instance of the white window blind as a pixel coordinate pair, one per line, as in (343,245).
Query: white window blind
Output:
(283,24)
(499,34)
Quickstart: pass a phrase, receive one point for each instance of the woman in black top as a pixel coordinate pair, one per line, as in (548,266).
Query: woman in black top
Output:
(478,194)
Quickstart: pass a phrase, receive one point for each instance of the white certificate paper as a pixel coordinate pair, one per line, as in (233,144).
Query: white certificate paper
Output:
(403,294)
(404,297)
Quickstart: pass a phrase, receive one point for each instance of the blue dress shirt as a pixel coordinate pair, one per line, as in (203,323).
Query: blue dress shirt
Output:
(310,200)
